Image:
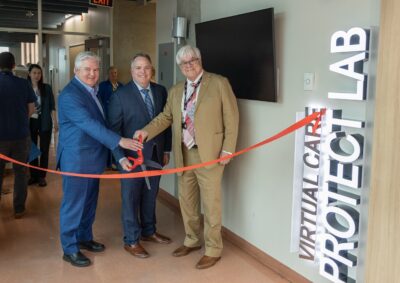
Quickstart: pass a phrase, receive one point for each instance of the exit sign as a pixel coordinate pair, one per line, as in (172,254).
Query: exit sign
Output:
(106,3)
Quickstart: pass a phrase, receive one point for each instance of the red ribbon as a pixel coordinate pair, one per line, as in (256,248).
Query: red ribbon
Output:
(303,122)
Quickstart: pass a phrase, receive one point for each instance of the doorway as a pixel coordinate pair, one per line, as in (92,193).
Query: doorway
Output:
(73,52)
(61,78)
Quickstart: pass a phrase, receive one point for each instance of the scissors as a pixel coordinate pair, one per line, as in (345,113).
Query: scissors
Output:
(140,161)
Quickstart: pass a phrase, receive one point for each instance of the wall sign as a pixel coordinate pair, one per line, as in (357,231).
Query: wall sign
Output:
(331,165)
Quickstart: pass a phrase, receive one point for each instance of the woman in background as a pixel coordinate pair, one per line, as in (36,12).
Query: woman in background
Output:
(41,123)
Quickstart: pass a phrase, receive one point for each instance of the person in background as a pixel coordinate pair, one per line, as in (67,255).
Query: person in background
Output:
(17,105)
(109,87)
(130,109)
(106,90)
(82,148)
(41,123)
(204,117)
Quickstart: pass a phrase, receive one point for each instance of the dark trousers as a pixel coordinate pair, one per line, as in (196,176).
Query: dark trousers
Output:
(45,138)
(110,159)
(18,150)
(78,210)
(138,208)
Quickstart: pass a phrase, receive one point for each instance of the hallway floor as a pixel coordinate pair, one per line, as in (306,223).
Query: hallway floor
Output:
(30,247)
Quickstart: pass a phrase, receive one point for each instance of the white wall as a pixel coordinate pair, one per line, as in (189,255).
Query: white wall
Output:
(96,21)
(258,185)
(166,11)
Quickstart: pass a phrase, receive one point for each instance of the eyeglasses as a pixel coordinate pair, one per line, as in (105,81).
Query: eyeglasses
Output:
(189,63)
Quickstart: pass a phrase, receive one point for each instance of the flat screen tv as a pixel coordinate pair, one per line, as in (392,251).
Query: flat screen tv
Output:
(242,49)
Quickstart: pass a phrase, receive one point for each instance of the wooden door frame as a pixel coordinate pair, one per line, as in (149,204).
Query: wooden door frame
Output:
(383,253)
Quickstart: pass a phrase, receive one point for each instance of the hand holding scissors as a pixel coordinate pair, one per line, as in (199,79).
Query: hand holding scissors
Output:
(140,161)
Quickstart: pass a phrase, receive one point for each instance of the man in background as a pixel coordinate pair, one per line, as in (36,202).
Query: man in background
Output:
(17,104)
(204,117)
(82,148)
(131,108)
(106,90)
(109,87)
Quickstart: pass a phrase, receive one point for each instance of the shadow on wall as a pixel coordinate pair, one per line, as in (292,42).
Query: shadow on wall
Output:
(278,22)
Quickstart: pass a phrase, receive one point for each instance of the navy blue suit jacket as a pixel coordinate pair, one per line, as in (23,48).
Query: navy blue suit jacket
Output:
(47,106)
(127,113)
(15,95)
(84,137)
(105,93)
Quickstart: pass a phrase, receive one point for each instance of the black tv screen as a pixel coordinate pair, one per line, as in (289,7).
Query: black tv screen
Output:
(242,49)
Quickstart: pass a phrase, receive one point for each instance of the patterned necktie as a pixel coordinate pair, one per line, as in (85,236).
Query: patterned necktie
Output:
(147,101)
(188,132)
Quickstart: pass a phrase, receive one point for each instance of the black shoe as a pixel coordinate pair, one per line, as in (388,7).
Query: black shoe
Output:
(32,181)
(77,259)
(92,246)
(42,182)
(19,215)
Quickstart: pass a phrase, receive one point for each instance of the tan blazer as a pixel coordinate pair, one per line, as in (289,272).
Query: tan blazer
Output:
(216,118)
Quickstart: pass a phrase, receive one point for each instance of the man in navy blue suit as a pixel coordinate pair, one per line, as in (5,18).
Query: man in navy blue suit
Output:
(131,108)
(82,148)
(16,106)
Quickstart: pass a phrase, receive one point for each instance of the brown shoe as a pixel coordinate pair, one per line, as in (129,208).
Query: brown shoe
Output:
(136,250)
(183,250)
(207,261)
(157,238)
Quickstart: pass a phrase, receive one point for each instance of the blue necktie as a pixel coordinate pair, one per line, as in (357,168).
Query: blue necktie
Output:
(147,101)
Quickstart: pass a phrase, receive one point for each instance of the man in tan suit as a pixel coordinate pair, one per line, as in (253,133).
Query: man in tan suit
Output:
(204,117)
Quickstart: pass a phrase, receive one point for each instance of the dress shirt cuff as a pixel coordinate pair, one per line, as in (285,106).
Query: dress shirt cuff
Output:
(121,160)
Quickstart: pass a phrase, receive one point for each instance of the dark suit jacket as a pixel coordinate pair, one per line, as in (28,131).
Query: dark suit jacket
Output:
(84,138)
(105,93)
(47,106)
(127,113)
(15,95)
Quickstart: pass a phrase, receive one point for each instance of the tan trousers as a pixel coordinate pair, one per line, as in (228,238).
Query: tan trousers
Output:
(201,185)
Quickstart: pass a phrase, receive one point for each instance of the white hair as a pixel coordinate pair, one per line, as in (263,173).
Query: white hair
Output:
(187,51)
(83,56)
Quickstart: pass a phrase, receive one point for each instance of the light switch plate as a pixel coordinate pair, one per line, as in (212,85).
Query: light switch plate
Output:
(308,83)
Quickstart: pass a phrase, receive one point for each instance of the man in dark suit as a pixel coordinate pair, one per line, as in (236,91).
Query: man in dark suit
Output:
(82,148)
(16,106)
(106,90)
(108,87)
(131,108)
